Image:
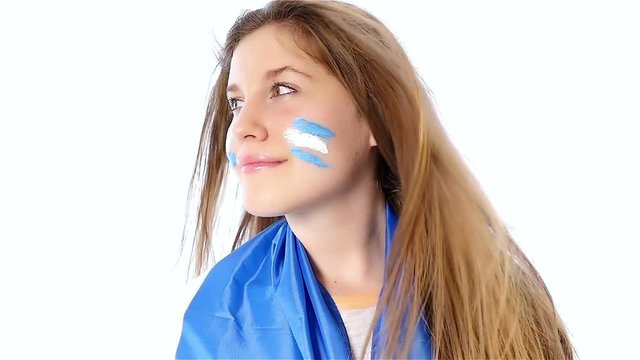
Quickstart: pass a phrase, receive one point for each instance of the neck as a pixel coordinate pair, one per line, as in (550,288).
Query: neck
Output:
(345,240)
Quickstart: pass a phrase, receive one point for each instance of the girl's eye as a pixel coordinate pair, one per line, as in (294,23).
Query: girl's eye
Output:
(279,89)
(233,104)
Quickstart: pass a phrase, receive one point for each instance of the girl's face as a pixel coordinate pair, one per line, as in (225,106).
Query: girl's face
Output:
(290,109)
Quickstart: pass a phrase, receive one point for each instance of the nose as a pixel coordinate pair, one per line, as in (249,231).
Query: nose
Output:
(248,125)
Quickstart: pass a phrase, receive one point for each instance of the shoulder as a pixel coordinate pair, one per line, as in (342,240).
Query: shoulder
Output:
(251,260)
(236,297)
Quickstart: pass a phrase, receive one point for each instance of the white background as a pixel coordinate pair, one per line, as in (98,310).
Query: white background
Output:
(101,107)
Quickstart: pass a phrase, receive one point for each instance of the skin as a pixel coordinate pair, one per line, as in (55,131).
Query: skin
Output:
(336,212)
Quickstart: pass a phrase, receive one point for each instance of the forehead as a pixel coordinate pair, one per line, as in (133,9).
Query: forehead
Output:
(266,48)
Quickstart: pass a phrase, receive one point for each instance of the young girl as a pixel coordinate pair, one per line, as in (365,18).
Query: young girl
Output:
(365,235)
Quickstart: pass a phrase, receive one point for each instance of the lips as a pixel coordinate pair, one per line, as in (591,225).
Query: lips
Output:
(258,162)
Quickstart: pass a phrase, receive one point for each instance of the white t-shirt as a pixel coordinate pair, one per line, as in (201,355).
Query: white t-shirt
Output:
(357,322)
(357,312)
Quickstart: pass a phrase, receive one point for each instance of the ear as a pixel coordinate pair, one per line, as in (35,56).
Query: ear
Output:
(372,140)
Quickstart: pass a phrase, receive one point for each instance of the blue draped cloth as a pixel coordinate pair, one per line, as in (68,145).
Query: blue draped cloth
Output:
(263,301)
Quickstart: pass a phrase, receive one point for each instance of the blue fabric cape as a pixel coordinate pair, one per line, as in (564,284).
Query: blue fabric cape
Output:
(263,301)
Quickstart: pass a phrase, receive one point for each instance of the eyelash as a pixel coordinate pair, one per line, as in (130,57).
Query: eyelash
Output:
(233,102)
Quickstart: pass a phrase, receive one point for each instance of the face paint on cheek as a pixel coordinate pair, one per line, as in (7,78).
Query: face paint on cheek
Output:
(310,135)
(297,138)
(308,157)
(232,158)
(312,128)
(230,154)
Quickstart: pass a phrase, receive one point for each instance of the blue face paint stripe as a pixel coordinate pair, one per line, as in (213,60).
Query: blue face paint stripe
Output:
(312,128)
(232,158)
(310,158)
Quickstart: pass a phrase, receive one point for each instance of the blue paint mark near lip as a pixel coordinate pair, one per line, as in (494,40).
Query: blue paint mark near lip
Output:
(312,128)
(232,157)
(310,158)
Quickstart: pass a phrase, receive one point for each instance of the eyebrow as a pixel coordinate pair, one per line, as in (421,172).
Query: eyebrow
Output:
(270,74)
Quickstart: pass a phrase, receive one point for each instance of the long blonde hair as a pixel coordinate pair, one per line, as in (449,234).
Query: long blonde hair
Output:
(452,258)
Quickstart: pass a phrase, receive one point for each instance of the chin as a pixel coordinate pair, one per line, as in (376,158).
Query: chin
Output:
(263,212)
(263,208)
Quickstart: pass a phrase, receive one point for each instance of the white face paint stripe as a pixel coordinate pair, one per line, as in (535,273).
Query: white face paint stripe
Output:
(300,139)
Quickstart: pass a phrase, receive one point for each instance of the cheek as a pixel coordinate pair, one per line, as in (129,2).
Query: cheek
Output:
(230,154)
(309,141)
(349,149)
